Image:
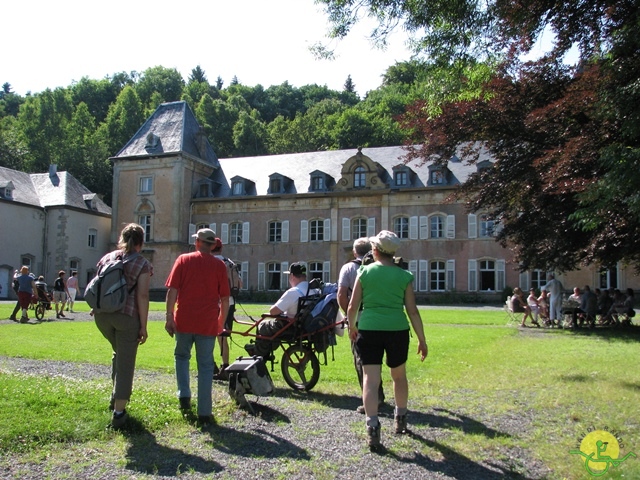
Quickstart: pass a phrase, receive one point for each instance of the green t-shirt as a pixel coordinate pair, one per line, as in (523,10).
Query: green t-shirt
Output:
(383,290)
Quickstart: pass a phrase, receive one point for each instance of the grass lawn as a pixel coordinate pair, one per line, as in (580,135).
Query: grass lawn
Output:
(480,375)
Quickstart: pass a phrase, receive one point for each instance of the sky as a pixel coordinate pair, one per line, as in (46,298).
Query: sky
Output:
(50,44)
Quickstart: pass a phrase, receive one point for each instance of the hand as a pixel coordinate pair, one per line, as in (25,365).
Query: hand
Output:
(423,350)
(170,327)
(142,336)
(353,333)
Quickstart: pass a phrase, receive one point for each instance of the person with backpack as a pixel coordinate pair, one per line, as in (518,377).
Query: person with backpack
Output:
(385,291)
(198,286)
(16,289)
(235,284)
(60,293)
(126,329)
(346,282)
(26,289)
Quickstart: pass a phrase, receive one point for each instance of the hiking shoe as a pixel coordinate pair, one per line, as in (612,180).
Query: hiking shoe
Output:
(222,373)
(185,403)
(204,421)
(381,405)
(119,419)
(62,315)
(24,319)
(13,318)
(373,438)
(360,409)
(400,424)
(250,348)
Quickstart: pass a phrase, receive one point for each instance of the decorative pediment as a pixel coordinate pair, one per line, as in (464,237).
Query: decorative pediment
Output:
(360,172)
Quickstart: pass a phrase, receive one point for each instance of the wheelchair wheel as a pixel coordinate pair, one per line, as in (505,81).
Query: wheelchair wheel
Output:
(40,311)
(300,367)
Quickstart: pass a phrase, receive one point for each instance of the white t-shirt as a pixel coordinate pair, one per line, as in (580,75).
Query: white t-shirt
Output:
(288,302)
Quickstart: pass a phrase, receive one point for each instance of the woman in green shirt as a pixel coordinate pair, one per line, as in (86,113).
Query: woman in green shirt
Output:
(385,290)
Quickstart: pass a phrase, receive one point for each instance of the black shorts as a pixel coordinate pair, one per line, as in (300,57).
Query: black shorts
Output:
(228,323)
(372,345)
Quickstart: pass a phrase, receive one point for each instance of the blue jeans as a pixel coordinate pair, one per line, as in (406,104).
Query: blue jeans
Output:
(204,359)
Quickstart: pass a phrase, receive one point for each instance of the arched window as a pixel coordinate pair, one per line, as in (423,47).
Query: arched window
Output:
(359,177)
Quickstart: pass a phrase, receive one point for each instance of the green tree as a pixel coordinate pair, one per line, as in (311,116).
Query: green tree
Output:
(14,152)
(198,75)
(349,85)
(123,121)
(167,82)
(42,120)
(249,134)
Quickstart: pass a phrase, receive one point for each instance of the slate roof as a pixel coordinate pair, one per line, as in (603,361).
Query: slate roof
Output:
(61,189)
(171,129)
(299,166)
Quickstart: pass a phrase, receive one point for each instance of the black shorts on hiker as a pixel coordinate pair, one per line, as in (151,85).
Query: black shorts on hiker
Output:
(373,344)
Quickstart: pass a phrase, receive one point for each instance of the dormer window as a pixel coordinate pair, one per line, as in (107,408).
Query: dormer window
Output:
(90,201)
(437,177)
(400,179)
(320,181)
(237,188)
(275,185)
(359,177)
(278,183)
(242,186)
(152,141)
(6,190)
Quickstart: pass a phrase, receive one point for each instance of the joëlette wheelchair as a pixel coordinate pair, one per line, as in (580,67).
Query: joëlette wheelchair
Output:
(302,338)
(40,303)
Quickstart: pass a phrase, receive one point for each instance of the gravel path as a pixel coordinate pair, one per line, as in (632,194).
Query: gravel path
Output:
(304,435)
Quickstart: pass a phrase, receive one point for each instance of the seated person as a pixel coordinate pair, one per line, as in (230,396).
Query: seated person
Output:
(43,292)
(543,305)
(534,305)
(518,305)
(286,306)
(588,307)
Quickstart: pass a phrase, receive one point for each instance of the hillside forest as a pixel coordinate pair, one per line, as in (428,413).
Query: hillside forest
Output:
(79,127)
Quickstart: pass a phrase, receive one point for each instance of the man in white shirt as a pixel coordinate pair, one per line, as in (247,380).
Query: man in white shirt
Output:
(286,306)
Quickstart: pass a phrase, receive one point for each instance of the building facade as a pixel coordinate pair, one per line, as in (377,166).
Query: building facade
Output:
(50,222)
(270,211)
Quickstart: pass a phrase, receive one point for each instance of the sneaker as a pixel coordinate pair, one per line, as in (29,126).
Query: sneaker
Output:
(119,419)
(360,409)
(400,423)
(62,315)
(24,319)
(13,318)
(373,437)
(381,405)
(57,315)
(222,374)
(185,403)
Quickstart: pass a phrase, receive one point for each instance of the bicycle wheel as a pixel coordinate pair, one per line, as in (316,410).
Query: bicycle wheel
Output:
(300,367)
(40,311)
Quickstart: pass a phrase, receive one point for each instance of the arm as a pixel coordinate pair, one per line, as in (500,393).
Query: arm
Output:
(142,299)
(170,324)
(353,308)
(343,298)
(224,311)
(416,321)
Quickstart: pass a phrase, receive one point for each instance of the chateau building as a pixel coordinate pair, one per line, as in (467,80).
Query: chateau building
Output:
(270,211)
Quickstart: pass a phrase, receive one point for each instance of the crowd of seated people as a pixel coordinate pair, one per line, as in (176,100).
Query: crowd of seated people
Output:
(616,308)
(583,307)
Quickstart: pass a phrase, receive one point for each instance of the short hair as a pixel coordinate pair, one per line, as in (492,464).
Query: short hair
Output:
(362,246)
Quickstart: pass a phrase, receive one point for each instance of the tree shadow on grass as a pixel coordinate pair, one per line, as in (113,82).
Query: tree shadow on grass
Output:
(146,455)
